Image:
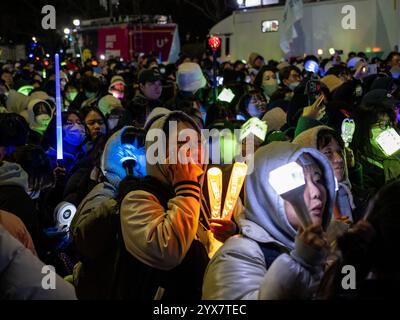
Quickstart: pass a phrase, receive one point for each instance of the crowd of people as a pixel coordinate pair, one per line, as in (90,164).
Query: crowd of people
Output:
(145,231)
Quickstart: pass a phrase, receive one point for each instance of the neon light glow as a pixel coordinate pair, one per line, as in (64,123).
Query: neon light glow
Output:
(389,141)
(226,95)
(214,42)
(214,180)
(311,66)
(236,181)
(287,178)
(254,126)
(288,181)
(348,129)
(25,90)
(59,128)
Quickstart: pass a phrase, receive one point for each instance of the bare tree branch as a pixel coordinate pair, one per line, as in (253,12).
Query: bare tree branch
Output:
(205,12)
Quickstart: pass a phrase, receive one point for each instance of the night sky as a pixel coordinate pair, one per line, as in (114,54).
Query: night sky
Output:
(21,19)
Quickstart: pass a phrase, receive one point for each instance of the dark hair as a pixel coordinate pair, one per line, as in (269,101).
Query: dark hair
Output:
(49,137)
(371,244)
(326,136)
(36,164)
(284,74)
(86,110)
(220,111)
(259,78)
(279,94)
(91,84)
(391,55)
(38,106)
(14,129)
(365,116)
(245,100)
(338,71)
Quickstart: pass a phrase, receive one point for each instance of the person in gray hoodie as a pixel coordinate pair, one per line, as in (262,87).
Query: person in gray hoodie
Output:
(24,277)
(14,198)
(273,257)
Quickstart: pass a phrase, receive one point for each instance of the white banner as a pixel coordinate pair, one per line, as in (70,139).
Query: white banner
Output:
(293,12)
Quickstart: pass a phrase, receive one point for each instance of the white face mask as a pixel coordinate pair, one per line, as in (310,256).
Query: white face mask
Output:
(293,85)
(74,134)
(112,123)
(43,121)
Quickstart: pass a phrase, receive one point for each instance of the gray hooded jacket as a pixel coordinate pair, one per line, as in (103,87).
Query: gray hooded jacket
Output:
(238,270)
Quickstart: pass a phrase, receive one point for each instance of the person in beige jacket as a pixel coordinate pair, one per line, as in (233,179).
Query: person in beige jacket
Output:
(160,221)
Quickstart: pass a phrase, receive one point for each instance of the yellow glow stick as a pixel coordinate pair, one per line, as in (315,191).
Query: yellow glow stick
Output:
(214,179)
(236,181)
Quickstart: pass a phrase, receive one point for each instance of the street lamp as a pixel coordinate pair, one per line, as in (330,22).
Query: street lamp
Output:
(76,22)
(67,31)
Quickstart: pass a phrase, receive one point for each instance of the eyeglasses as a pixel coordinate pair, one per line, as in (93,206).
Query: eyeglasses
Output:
(100,122)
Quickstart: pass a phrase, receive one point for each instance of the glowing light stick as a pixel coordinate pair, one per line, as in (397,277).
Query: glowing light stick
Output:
(226,95)
(214,179)
(288,181)
(348,129)
(60,155)
(389,141)
(311,66)
(236,181)
(255,126)
(25,90)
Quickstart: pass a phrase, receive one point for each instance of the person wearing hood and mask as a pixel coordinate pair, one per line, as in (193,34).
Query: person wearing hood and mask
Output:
(274,258)
(116,93)
(375,115)
(39,114)
(266,81)
(95,224)
(161,254)
(70,92)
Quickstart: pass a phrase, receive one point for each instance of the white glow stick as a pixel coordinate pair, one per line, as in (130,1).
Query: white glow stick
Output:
(226,95)
(389,141)
(348,129)
(288,181)
(214,179)
(236,181)
(255,126)
(60,154)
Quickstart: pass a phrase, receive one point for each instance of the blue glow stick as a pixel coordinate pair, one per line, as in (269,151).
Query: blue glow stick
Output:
(60,155)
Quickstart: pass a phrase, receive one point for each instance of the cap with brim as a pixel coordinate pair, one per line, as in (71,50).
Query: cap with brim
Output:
(149,75)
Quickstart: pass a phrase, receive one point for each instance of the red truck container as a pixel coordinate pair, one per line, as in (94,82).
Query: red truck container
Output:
(124,40)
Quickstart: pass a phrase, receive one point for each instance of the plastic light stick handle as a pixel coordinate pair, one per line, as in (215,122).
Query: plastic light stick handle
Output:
(60,154)
(236,181)
(214,180)
(301,209)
